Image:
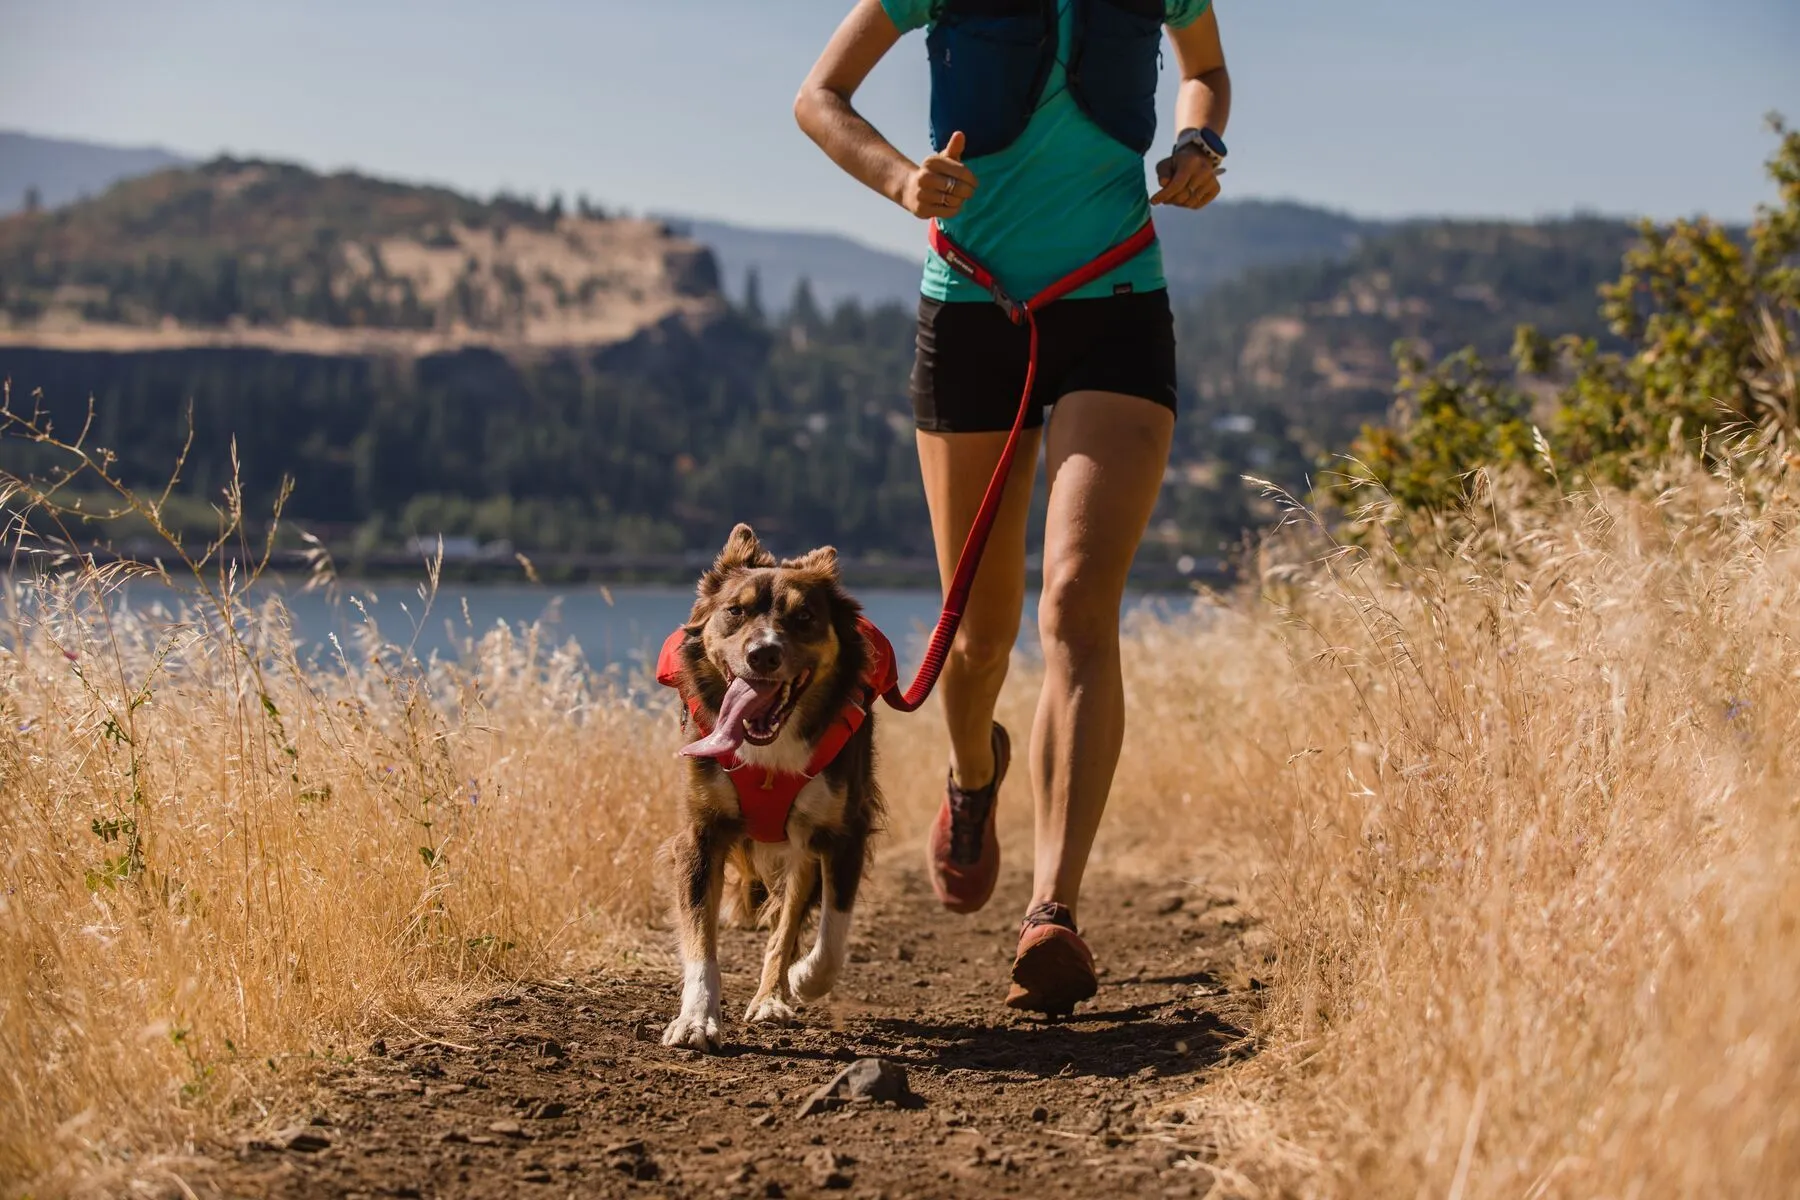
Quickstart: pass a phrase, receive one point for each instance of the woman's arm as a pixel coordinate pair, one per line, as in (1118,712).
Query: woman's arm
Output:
(1188,179)
(935,188)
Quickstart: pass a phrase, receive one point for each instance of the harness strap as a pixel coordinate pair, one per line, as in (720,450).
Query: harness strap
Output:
(962,581)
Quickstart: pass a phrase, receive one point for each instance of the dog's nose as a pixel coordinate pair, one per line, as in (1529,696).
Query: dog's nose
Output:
(765,659)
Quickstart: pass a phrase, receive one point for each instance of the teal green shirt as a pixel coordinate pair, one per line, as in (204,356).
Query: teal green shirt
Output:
(1056,198)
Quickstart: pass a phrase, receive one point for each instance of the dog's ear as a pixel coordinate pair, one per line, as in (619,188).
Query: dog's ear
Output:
(743,549)
(821,563)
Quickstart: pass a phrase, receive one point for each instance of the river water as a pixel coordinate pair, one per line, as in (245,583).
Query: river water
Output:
(618,625)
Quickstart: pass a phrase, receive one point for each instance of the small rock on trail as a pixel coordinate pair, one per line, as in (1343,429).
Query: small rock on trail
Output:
(301,1139)
(872,1080)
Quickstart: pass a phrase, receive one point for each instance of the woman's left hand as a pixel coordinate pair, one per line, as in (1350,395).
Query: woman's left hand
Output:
(1188,178)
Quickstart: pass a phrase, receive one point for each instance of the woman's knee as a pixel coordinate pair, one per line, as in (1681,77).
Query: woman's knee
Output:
(1077,624)
(983,652)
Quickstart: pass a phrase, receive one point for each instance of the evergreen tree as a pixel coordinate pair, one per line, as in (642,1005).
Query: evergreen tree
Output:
(803,310)
(753,305)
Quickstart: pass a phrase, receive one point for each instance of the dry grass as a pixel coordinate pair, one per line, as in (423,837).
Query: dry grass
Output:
(1517,815)
(1530,833)
(219,867)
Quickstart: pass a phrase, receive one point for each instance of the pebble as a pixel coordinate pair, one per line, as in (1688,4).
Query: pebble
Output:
(632,1159)
(829,1169)
(302,1139)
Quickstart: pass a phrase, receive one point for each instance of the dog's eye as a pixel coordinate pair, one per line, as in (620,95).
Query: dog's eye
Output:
(802,616)
(734,610)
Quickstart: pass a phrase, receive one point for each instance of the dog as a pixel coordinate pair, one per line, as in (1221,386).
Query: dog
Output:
(778,669)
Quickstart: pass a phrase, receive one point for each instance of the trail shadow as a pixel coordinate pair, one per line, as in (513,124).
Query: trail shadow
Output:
(1199,977)
(1166,1041)
(1109,1045)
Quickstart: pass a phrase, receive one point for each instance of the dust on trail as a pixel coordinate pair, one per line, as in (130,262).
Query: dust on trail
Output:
(562,1088)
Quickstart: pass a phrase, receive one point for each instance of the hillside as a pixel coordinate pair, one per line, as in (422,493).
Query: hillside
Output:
(1216,245)
(263,299)
(836,268)
(1200,250)
(237,253)
(61,171)
(1305,352)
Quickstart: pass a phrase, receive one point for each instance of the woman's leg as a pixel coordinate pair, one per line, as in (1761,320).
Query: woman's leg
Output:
(1106,454)
(956,468)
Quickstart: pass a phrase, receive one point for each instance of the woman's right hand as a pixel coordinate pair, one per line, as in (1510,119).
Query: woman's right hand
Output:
(939,186)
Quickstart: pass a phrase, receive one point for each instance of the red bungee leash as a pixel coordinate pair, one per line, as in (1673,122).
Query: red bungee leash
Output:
(1024,313)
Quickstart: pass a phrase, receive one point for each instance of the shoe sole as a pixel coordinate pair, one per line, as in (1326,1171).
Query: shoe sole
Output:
(1052,976)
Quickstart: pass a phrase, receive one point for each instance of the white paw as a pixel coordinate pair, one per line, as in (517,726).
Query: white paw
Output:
(694,1031)
(770,1010)
(809,980)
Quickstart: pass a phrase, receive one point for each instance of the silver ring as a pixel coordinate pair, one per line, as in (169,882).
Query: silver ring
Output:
(949,188)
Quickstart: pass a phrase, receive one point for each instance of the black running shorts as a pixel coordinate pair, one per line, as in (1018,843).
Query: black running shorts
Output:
(970,366)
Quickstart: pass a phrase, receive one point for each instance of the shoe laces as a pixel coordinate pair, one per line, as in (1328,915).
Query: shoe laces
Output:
(1049,913)
(969,809)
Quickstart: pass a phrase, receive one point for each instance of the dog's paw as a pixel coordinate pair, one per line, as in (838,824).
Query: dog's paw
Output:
(694,1031)
(770,1010)
(809,980)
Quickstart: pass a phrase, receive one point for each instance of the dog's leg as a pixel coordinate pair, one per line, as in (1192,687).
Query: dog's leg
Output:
(774,1003)
(745,894)
(699,858)
(842,868)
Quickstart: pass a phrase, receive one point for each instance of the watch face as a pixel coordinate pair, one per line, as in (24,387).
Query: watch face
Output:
(1213,141)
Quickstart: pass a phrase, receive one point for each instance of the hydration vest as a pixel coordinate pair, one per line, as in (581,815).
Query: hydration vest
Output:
(990,60)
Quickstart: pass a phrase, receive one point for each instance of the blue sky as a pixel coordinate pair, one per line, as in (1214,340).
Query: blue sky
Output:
(1383,107)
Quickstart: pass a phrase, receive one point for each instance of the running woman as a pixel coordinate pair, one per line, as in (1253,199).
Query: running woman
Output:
(1042,112)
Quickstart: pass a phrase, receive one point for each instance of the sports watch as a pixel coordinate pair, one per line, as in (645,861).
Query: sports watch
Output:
(1205,141)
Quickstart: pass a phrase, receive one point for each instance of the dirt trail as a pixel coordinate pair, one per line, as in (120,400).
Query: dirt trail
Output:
(561,1088)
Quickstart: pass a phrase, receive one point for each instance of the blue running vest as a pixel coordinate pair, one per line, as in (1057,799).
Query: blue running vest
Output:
(990,60)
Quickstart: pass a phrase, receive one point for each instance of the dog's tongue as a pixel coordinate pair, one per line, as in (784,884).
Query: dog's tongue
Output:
(744,699)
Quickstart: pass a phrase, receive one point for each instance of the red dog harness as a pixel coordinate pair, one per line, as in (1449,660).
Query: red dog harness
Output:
(766,796)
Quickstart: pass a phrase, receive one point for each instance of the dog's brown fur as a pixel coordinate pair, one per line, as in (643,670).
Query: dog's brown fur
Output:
(749,599)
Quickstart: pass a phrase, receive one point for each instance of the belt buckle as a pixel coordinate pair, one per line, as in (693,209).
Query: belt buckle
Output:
(1014,310)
